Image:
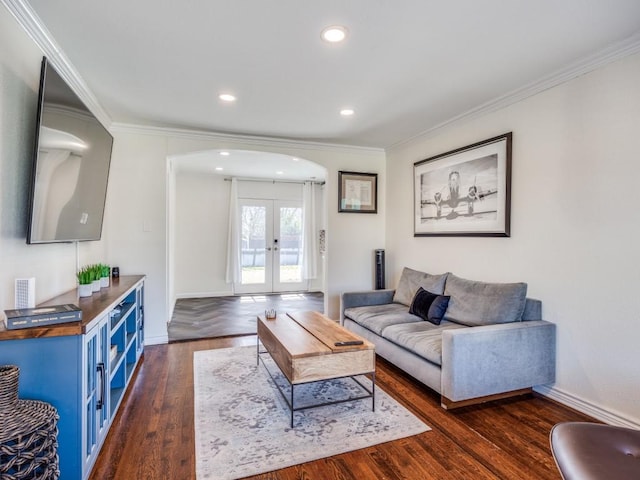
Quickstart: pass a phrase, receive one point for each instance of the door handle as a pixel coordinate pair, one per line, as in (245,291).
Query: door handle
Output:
(268,249)
(275,248)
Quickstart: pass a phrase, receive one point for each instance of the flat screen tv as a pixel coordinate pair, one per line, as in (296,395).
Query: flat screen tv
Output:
(70,168)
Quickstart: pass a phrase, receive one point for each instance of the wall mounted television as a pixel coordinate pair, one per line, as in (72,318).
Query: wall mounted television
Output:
(70,168)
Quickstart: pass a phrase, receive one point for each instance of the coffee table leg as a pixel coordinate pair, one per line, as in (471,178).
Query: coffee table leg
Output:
(292,405)
(373,391)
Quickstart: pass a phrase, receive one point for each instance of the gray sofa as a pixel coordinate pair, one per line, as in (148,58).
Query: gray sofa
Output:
(489,343)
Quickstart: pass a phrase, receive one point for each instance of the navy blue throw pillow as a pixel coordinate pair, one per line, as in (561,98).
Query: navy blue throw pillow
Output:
(429,306)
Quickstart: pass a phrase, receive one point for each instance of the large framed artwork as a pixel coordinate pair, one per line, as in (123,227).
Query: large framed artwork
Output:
(465,192)
(357,192)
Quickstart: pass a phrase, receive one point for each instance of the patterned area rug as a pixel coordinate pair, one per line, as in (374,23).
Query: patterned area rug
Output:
(242,422)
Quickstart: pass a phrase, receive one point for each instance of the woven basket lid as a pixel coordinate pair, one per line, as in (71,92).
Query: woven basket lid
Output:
(19,417)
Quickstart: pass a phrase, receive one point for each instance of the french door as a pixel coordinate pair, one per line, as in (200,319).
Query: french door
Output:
(271,246)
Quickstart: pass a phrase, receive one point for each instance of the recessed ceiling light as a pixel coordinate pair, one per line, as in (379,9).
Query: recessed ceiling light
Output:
(334,34)
(227,97)
(347,112)
(279,172)
(295,159)
(219,169)
(225,154)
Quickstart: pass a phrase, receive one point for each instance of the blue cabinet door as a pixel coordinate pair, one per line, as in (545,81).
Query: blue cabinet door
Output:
(95,417)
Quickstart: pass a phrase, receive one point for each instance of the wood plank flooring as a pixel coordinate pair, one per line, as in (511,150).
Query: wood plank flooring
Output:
(197,318)
(153,435)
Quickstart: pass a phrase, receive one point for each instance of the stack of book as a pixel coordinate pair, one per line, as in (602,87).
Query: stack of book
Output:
(42,316)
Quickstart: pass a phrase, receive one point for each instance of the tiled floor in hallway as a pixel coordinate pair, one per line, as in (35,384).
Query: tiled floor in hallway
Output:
(211,317)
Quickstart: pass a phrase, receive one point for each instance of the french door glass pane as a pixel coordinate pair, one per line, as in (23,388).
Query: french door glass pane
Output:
(290,245)
(253,244)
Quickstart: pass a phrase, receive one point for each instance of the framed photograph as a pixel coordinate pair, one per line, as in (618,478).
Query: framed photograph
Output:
(465,192)
(357,192)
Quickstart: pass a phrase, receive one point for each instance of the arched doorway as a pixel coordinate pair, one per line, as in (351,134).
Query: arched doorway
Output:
(198,232)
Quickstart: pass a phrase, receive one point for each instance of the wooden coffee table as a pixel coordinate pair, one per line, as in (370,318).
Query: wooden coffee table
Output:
(306,347)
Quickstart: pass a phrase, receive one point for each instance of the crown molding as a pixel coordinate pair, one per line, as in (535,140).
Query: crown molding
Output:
(231,140)
(617,51)
(35,28)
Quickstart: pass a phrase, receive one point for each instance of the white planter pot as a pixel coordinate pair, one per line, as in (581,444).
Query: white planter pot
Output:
(96,285)
(104,282)
(85,290)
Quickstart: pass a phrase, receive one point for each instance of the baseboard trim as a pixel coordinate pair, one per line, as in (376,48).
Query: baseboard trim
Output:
(159,340)
(595,411)
(231,294)
(204,294)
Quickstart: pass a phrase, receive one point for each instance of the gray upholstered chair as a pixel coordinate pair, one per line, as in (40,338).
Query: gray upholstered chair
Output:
(591,451)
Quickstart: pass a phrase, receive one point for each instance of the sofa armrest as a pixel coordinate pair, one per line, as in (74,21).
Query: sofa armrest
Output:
(492,359)
(363,299)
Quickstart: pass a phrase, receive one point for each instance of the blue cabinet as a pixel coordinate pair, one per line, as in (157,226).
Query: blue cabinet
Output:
(125,348)
(82,368)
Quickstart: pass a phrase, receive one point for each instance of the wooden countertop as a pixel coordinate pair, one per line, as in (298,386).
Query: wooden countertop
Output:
(92,307)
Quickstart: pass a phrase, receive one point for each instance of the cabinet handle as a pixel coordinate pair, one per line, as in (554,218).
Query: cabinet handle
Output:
(100,401)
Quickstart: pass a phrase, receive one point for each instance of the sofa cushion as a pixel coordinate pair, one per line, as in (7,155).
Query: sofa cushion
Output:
(422,338)
(377,317)
(411,280)
(429,306)
(478,303)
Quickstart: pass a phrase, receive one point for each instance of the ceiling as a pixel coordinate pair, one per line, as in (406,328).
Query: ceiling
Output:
(406,66)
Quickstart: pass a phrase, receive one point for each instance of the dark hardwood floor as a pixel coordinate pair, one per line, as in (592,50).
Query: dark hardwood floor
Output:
(152,436)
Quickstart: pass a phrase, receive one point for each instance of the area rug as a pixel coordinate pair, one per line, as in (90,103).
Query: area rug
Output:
(242,422)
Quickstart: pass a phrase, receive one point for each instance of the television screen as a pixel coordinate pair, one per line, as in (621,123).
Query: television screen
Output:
(71,162)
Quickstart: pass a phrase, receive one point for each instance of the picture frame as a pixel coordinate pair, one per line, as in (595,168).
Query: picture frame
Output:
(357,192)
(465,192)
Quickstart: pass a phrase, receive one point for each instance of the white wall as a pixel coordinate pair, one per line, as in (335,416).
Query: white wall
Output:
(171,239)
(201,229)
(137,199)
(575,229)
(53,265)
(137,222)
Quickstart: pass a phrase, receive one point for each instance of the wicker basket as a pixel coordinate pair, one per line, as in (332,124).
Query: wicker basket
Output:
(28,433)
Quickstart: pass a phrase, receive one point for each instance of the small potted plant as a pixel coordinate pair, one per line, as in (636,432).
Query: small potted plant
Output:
(105,272)
(95,277)
(85,288)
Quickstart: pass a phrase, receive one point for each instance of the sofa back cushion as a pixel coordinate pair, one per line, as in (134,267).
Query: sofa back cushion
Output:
(478,303)
(411,280)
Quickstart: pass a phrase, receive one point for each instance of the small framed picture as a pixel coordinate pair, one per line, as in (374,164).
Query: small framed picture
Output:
(357,192)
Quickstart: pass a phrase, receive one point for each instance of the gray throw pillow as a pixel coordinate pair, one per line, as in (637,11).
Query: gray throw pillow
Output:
(411,280)
(478,303)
